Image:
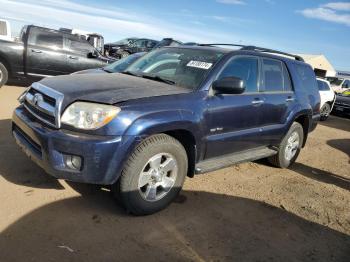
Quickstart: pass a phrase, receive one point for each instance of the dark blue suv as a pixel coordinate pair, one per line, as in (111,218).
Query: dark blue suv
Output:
(175,112)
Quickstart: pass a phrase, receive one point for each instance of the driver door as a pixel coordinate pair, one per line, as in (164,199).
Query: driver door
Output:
(234,119)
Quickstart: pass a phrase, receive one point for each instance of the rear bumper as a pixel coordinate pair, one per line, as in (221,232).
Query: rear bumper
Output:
(102,157)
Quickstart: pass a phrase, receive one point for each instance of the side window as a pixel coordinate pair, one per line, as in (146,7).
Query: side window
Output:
(3,28)
(45,38)
(74,45)
(245,68)
(287,85)
(306,76)
(140,43)
(151,44)
(273,75)
(346,84)
(322,86)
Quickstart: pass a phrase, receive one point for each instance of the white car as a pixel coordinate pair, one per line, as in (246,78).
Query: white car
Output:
(327,98)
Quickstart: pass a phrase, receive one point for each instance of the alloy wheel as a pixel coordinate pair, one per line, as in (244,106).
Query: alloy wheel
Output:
(158,177)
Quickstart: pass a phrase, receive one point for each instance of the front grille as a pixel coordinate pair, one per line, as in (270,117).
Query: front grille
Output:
(40,114)
(51,101)
(44,104)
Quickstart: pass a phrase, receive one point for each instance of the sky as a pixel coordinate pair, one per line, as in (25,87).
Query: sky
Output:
(296,26)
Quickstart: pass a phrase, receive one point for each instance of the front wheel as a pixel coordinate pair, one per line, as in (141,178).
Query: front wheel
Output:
(153,175)
(289,148)
(325,111)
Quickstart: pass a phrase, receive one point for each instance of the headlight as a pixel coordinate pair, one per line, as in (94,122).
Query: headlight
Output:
(89,116)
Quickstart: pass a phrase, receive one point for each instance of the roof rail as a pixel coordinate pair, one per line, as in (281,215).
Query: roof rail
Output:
(259,49)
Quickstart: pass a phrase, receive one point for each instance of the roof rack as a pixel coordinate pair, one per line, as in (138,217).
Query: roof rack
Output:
(258,49)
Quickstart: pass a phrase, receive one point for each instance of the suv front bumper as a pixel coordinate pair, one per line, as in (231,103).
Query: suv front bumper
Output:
(102,157)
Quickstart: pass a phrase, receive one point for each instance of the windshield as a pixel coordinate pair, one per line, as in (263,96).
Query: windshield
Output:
(122,63)
(335,81)
(125,41)
(180,66)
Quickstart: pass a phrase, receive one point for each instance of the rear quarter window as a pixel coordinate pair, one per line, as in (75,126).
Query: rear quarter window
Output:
(306,76)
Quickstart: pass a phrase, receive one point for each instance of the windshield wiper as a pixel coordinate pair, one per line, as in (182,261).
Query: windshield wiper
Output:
(129,73)
(106,70)
(159,79)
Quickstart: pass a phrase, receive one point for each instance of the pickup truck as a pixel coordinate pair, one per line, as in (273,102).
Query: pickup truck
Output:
(42,52)
(174,112)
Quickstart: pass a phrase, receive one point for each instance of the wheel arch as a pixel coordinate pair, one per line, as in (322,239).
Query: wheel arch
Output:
(304,121)
(6,63)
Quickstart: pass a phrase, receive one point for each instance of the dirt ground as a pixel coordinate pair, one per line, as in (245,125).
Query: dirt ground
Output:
(249,212)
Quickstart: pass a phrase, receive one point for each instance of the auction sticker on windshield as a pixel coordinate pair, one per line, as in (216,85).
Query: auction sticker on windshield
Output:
(199,64)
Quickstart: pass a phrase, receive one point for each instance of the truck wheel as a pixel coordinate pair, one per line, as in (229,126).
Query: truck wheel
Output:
(3,74)
(124,54)
(290,147)
(153,175)
(325,111)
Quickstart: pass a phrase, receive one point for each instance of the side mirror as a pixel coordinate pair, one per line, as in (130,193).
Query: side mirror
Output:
(229,85)
(92,55)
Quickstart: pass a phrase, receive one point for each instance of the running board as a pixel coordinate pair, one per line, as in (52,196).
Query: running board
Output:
(232,159)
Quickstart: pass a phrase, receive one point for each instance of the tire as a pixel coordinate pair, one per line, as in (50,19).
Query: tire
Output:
(3,75)
(135,188)
(124,54)
(286,156)
(325,111)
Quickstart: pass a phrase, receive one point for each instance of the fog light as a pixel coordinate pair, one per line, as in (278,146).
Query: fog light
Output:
(73,162)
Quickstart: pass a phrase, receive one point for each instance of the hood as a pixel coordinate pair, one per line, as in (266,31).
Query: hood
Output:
(108,88)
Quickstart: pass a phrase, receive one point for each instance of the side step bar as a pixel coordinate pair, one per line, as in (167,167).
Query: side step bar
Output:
(232,159)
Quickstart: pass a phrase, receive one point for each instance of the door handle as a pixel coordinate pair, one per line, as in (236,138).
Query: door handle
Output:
(73,57)
(36,51)
(290,99)
(257,102)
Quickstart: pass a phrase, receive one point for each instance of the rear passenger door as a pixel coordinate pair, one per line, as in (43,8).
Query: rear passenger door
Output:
(45,54)
(279,100)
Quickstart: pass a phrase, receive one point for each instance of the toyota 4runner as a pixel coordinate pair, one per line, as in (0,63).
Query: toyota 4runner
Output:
(175,112)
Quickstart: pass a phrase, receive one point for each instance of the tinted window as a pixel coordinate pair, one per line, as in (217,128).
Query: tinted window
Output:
(245,68)
(273,75)
(45,38)
(140,43)
(346,84)
(286,80)
(322,86)
(79,46)
(307,76)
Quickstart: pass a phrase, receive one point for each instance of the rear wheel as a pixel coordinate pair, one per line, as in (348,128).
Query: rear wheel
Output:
(290,147)
(325,111)
(3,75)
(153,175)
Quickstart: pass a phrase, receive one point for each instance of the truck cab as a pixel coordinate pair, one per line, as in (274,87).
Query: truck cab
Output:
(42,52)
